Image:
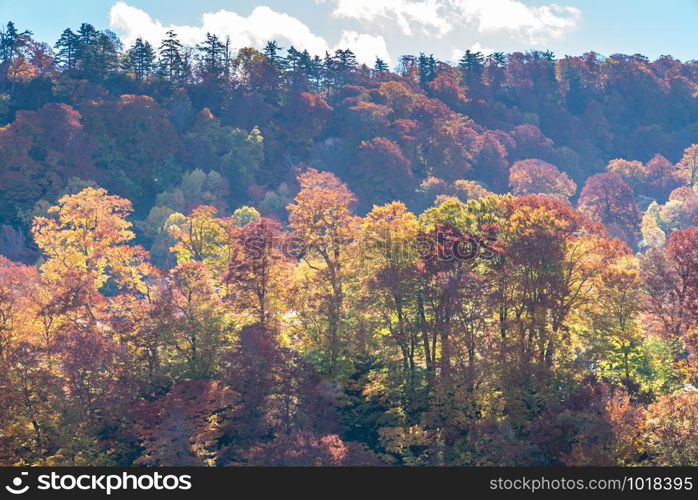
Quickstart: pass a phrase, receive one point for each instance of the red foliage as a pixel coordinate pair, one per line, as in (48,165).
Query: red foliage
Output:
(540,177)
(447,88)
(304,449)
(306,114)
(661,177)
(531,143)
(382,173)
(595,425)
(607,200)
(39,152)
(136,138)
(175,429)
(256,264)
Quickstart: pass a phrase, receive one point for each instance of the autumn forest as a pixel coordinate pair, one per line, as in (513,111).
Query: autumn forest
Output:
(215,256)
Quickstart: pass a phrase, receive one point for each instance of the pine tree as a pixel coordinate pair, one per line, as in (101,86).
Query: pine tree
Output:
(97,53)
(171,63)
(427,68)
(328,69)
(68,49)
(140,59)
(380,66)
(317,73)
(471,62)
(87,48)
(497,59)
(345,60)
(213,53)
(108,50)
(549,55)
(8,41)
(293,60)
(11,43)
(471,66)
(294,64)
(271,50)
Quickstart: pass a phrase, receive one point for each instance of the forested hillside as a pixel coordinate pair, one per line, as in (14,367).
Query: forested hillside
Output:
(213,256)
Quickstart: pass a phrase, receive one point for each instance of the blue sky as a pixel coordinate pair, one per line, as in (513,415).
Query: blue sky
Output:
(388,28)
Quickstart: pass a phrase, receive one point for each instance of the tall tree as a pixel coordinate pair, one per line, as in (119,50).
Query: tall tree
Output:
(172,63)
(381,66)
(140,59)
(607,200)
(687,168)
(98,52)
(321,218)
(539,177)
(12,42)
(213,55)
(68,49)
(86,235)
(271,50)
(257,268)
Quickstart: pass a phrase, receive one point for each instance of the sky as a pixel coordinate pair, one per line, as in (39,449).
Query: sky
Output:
(386,28)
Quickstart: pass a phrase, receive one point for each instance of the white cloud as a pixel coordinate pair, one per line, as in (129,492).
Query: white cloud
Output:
(526,23)
(523,22)
(262,25)
(457,53)
(405,13)
(365,47)
(255,30)
(479,48)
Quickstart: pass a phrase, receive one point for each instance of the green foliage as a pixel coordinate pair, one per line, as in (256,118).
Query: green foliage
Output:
(245,215)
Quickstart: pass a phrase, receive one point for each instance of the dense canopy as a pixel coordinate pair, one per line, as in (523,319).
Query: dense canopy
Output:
(238,257)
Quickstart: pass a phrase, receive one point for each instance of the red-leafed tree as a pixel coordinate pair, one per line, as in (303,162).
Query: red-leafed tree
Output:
(382,173)
(607,200)
(41,151)
(306,115)
(660,177)
(305,449)
(540,177)
(177,429)
(257,267)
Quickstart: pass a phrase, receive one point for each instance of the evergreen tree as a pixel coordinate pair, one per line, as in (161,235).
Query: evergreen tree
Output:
(271,50)
(109,48)
(97,54)
(213,55)
(296,64)
(227,58)
(9,38)
(471,62)
(87,48)
(471,66)
(380,66)
(498,58)
(345,60)
(427,68)
(68,49)
(140,59)
(293,60)
(328,70)
(171,63)
(317,72)
(11,43)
